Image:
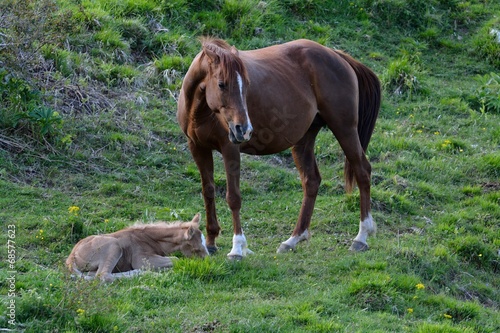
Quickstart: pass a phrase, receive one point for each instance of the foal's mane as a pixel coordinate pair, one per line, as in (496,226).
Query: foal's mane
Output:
(162,225)
(230,62)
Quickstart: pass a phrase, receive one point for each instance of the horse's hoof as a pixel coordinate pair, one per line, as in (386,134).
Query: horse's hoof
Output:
(234,257)
(212,249)
(358,247)
(285,248)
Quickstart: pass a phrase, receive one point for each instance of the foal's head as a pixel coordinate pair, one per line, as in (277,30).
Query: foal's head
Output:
(226,88)
(194,242)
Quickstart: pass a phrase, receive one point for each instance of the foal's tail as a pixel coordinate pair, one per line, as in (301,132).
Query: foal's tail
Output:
(369,106)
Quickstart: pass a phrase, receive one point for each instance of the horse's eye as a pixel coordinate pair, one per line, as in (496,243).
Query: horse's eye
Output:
(222,85)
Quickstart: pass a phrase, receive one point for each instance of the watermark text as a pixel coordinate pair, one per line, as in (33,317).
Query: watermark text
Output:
(11,272)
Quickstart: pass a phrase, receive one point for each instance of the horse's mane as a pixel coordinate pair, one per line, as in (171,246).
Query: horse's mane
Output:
(230,62)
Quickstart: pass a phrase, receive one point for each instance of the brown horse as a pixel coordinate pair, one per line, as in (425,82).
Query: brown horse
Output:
(267,100)
(126,252)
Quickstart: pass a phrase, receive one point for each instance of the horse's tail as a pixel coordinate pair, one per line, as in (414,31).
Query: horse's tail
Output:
(368,109)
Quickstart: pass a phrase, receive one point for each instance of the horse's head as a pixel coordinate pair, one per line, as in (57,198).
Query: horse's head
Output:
(226,88)
(194,241)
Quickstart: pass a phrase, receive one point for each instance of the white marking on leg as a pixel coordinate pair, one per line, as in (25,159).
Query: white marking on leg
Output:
(366,228)
(249,130)
(240,248)
(294,240)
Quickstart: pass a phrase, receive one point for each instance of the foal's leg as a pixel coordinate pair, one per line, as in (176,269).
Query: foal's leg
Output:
(231,156)
(204,161)
(303,155)
(111,253)
(152,262)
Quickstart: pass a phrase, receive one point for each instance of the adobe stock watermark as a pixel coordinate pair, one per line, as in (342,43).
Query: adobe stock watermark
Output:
(11,272)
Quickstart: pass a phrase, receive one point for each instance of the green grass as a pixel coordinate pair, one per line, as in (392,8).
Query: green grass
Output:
(106,75)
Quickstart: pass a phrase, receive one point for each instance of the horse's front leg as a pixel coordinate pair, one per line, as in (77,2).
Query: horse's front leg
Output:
(231,156)
(204,160)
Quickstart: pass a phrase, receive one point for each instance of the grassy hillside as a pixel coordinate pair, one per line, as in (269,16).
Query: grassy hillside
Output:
(89,144)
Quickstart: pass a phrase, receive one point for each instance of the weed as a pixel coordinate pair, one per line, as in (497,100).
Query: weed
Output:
(204,270)
(486,42)
(487,96)
(402,77)
(22,103)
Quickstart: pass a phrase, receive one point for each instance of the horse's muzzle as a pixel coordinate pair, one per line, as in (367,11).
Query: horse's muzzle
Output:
(240,133)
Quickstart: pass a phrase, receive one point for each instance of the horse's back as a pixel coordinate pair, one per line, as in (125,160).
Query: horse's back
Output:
(291,86)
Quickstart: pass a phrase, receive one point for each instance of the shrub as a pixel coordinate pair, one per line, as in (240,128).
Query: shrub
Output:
(402,77)
(116,75)
(413,14)
(487,96)
(487,42)
(112,39)
(19,102)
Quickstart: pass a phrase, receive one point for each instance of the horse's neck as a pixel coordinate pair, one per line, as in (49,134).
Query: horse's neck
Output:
(196,105)
(202,114)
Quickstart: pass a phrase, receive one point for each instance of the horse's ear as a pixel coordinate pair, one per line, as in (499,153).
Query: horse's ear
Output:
(211,53)
(234,51)
(196,219)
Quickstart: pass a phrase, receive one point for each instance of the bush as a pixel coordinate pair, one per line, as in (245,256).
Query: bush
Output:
(487,96)
(20,102)
(487,42)
(402,77)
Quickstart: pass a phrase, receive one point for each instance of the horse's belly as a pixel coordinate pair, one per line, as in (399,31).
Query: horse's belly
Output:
(267,141)
(277,131)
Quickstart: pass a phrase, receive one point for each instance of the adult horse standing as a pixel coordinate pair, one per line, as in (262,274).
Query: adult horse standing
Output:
(283,94)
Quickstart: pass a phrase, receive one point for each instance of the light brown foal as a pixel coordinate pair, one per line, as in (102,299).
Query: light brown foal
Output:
(125,252)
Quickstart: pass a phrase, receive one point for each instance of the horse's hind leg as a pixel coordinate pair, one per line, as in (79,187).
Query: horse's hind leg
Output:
(303,155)
(349,141)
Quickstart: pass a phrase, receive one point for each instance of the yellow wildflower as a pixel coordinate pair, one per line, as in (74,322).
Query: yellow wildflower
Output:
(410,310)
(447,316)
(420,286)
(80,312)
(74,210)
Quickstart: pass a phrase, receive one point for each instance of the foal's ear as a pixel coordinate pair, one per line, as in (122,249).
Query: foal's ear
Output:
(234,51)
(196,219)
(190,232)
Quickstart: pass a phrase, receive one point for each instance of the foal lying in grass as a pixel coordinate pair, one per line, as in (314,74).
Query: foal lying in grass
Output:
(143,246)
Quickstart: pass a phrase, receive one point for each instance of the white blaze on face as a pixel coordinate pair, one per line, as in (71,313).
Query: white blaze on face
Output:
(204,242)
(248,133)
